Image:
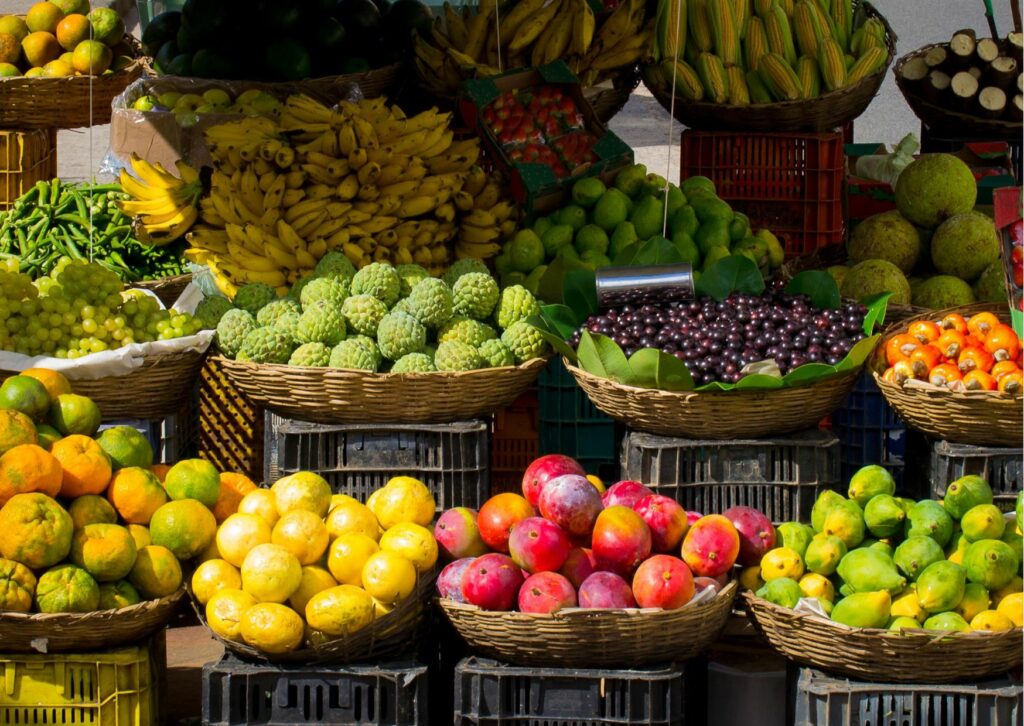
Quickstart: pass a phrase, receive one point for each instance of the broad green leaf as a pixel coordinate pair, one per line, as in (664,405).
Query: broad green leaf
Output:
(877,306)
(561,319)
(579,293)
(808,372)
(858,354)
(599,355)
(818,285)
(652,368)
(758,382)
(716,386)
(655,251)
(553,336)
(734,273)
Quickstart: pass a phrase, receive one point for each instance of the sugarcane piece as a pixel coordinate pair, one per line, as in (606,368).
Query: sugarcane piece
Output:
(961,47)
(987,50)
(936,86)
(975,71)
(964,87)
(1002,71)
(1015,45)
(992,101)
(1016,110)
(936,57)
(915,70)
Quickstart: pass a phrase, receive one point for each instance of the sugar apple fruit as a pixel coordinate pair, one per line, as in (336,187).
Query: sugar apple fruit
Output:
(234,325)
(334,264)
(371,346)
(380,280)
(321,322)
(431,302)
(253,296)
(313,355)
(461,267)
(266,345)
(363,313)
(333,290)
(211,309)
(269,313)
(469,331)
(408,276)
(516,303)
(296,292)
(289,325)
(402,306)
(474,295)
(414,363)
(524,340)
(496,354)
(400,334)
(453,355)
(351,353)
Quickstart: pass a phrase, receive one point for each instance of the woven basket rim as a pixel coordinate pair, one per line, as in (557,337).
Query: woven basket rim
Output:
(384,70)
(313,371)
(76,620)
(163,281)
(139,59)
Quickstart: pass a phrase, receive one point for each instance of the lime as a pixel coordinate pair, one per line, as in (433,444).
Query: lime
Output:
(587,191)
(555,238)
(611,210)
(572,215)
(526,251)
(542,225)
(591,238)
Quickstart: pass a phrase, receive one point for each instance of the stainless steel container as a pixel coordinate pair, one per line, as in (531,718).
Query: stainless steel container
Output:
(643,285)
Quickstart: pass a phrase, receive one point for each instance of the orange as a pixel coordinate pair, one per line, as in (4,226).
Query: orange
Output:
(106,551)
(303,534)
(91,509)
(352,516)
(40,48)
(58,69)
(413,542)
(125,446)
(272,628)
(340,611)
(25,394)
(35,531)
(185,527)
(55,383)
(156,572)
(136,494)
(85,466)
(388,577)
(92,58)
(261,503)
(402,499)
(314,579)
(13,25)
(71,31)
(72,6)
(29,468)
(16,428)
(193,479)
(48,436)
(270,573)
(117,595)
(67,589)
(302,490)
(161,471)
(233,487)
(74,414)
(44,17)
(224,612)
(347,556)
(17,585)
(34,73)
(140,534)
(10,48)
(213,576)
(107,26)
(239,534)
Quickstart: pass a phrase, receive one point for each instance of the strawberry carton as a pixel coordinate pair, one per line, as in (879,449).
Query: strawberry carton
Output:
(1008,213)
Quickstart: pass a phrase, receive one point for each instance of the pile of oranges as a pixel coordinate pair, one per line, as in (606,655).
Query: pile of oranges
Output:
(976,353)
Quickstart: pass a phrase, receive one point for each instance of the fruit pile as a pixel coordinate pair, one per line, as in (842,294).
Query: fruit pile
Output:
(949,251)
(603,222)
(978,353)
(568,542)
(188,107)
(87,520)
(762,52)
(894,563)
(297,565)
(61,38)
(380,318)
(532,33)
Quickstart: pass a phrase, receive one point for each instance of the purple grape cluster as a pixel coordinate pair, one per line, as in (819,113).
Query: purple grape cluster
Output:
(717,339)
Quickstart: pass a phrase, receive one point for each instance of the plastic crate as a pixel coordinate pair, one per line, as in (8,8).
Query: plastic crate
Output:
(933,142)
(1000,467)
(230,425)
(780,477)
(570,424)
(869,432)
(170,436)
(453,459)
(824,700)
(26,157)
(121,687)
(514,442)
(489,693)
(793,184)
(388,694)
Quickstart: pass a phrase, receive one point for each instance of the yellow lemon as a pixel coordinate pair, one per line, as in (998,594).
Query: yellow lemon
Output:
(388,577)
(974,601)
(261,503)
(413,542)
(814,585)
(224,612)
(303,534)
(750,578)
(338,499)
(403,499)
(272,628)
(213,576)
(340,610)
(351,516)
(991,620)
(302,490)
(238,534)
(1012,606)
(1015,585)
(781,562)
(347,556)
(314,580)
(270,573)
(906,605)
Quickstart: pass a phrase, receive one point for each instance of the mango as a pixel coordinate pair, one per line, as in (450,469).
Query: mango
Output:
(698,184)
(784,591)
(817,586)
(708,206)
(712,233)
(1012,606)
(906,604)
(949,622)
(863,610)
(870,481)
(1014,586)
(991,620)
(846,521)
(914,554)
(1015,541)
(795,536)
(902,622)
(965,493)
(929,519)
(868,570)
(941,586)
(781,562)
(884,516)
(982,521)
(647,217)
(991,562)
(882,545)
(826,500)
(750,578)
(824,554)
(975,600)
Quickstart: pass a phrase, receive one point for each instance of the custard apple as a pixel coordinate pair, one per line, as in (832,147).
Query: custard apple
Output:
(289,325)
(524,340)
(453,355)
(400,334)
(371,345)
(475,294)
(380,280)
(408,276)
(267,345)
(296,292)
(496,354)
(334,264)
(402,306)
(234,325)
(414,363)
(469,331)
(333,290)
(431,302)
(253,296)
(211,309)
(351,353)
(321,322)
(363,313)
(461,267)
(516,303)
(269,313)
(313,355)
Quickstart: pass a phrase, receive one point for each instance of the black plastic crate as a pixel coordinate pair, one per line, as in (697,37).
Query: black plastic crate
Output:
(824,700)
(869,432)
(489,693)
(453,459)
(1002,468)
(780,476)
(389,694)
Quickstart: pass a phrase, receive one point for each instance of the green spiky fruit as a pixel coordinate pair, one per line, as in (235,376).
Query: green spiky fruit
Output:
(474,295)
(430,302)
(469,331)
(496,354)
(408,276)
(371,347)
(289,325)
(234,325)
(266,345)
(321,322)
(524,340)
(453,355)
(353,354)
(211,309)
(414,363)
(516,303)
(363,313)
(333,290)
(269,313)
(462,267)
(334,264)
(400,334)
(253,296)
(402,306)
(380,280)
(312,355)
(296,292)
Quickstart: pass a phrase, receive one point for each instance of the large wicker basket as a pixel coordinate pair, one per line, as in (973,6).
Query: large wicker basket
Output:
(168,289)
(827,112)
(980,418)
(883,656)
(64,103)
(333,395)
(582,638)
(606,101)
(717,414)
(100,630)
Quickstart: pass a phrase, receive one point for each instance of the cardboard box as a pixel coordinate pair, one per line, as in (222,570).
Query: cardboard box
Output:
(1008,221)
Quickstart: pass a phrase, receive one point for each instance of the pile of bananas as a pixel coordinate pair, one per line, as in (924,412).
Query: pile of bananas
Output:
(486,40)
(741,52)
(488,221)
(163,206)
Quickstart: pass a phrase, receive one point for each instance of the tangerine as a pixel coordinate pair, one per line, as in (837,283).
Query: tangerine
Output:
(314,579)
(67,589)
(261,503)
(43,17)
(105,551)
(136,494)
(85,466)
(272,627)
(10,48)
(302,490)
(71,31)
(91,509)
(29,468)
(213,576)
(388,577)
(185,527)
(340,611)
(15,429)
(40,48)
(156,572)
(348,555)
(270,573)
(233,487)
(125,446)
(13,25)
(239,534)
(75,414)
(25,394)
(193,479)
(55,383)
(17,586)
(117,595)
(224,612)
(303,534)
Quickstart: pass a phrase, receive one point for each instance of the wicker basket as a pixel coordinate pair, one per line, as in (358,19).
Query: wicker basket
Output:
(168,289)
(100,630)
(827,112)
(884,656)
(581,638)
(64,103)
(717,414)
(941,119)
(980,418)
(606,101)
(333,395)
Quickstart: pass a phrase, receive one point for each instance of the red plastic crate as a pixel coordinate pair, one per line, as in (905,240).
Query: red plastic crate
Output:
(514,442)
(791,184)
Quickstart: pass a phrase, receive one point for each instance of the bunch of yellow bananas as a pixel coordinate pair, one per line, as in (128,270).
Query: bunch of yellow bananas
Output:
(529,33)
(487,220)
(162,207)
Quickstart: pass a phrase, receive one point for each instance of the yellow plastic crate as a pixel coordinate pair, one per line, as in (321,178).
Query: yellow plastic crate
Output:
(122,687)
(26,157)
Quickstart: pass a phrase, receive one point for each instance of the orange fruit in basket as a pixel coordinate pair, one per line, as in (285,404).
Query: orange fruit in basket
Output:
(55,383)
(34,73)
(348,555)
(40,48)
(106,551)
(388,577)
(69,7)
(260,502)
(140,534)
(270,573)
(156,572)
(413,542)
(35,531)
(351,516)
(340,610)
(160,471)
(314,579)
(125,446)
(25,394)
(67,589)
(10,48)
(9,70)
(13,25)
(136,494)
(303,534)
(92,58)
(107,26)
(185,527)
(402,499)
(43,17)
(75,414)
(48,436)
(213,576)
(239,533)
(28,468)
(233,487)
(272,628)
(15,429)
(17,586)
(224,612)
(91,509)
(303,490)
(85,466)
(72,30)
(193,479)
(117,595)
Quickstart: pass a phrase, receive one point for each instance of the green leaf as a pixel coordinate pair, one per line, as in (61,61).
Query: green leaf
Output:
(579,292)
(818,285)
(858,354)
(561,319)
(758,382)
(735,273)
(808,372)
(655,251)
(653,368)
(551,332)
(877,306)
(599,355)
(716,386)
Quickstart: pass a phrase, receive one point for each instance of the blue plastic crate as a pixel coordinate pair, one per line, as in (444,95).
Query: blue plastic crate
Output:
(869,432)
